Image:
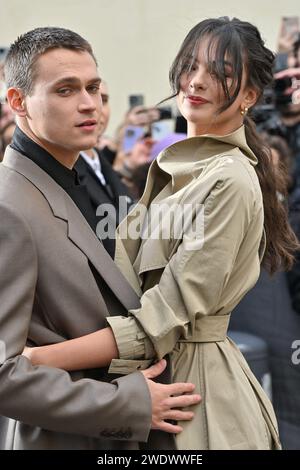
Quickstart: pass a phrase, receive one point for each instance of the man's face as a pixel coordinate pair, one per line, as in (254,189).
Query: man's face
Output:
(63,110)
(105,113)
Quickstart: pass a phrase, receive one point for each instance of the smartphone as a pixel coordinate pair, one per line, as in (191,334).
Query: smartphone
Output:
(161,129)
(165,113)
(291,26)
(135,100)
(131,135)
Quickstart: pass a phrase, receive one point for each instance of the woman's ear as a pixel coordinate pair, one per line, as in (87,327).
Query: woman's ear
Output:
(16,101)
(250,98)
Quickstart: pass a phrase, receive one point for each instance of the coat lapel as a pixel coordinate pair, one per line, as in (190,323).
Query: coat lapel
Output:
(79,232)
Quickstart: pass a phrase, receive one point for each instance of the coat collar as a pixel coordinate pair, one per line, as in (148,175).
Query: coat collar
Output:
(186,158)
(79,231)
(180,163)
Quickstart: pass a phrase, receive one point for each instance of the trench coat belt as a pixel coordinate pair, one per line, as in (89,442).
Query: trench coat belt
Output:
(209,329)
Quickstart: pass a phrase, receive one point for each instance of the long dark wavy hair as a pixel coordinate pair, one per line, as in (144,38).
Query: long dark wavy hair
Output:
(241,43)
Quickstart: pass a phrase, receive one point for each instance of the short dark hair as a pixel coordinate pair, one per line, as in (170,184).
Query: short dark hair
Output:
(20,63)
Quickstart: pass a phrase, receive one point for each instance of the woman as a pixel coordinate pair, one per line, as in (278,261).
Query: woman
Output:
(191,279)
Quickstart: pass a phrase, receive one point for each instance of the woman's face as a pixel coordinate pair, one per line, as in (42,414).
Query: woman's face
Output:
(201,96)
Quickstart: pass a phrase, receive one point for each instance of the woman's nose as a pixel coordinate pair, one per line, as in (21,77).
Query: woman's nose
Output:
(199,78)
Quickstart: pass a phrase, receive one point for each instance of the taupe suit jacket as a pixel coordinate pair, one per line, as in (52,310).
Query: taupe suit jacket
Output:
(48,294)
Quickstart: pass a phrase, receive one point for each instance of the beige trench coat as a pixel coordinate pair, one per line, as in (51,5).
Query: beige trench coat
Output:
(191,279)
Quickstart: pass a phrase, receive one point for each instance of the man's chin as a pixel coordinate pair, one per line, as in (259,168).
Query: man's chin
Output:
(88,144)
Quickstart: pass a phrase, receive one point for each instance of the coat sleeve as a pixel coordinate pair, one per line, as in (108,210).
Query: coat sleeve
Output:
(45,396)
(195,277)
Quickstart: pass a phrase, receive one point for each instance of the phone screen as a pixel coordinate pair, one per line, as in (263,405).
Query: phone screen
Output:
(131,136)
(161,129)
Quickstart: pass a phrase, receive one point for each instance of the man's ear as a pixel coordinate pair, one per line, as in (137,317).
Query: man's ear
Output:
(16,101)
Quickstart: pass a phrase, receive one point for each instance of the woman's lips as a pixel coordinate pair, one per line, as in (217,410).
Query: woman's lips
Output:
(196,99)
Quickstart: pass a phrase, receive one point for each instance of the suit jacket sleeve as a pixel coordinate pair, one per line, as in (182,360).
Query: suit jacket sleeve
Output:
(44,396)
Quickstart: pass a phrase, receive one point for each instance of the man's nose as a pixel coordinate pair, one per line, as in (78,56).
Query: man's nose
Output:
(88,102)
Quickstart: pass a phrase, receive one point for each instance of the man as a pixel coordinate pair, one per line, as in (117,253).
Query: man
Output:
(108,147)
(102,182)
(57,281)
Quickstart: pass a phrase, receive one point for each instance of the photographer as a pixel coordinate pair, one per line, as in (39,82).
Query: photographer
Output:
(287,102)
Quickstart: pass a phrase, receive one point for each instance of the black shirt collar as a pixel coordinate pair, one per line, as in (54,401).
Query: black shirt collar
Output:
(63,176)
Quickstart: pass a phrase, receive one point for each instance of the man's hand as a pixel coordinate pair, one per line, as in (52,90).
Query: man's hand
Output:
(166,399)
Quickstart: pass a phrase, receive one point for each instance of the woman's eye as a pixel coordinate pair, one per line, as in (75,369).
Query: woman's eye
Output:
(189,67)
(213,74)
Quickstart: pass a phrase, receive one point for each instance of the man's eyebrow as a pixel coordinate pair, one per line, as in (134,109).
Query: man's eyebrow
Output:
(74,80)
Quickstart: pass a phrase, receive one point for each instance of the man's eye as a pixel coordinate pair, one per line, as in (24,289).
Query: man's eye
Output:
(64,91)
(94,89)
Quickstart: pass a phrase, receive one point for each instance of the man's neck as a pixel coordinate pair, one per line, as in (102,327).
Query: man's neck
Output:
(62,156)
(91,153)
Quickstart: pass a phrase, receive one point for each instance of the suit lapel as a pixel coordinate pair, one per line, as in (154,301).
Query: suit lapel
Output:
(84,238)
(79,231)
